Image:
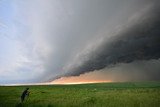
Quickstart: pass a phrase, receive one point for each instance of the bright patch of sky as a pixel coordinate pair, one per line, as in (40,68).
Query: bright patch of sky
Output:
(19,60)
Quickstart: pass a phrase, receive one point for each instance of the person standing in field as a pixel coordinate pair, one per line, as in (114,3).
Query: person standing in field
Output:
(25,94)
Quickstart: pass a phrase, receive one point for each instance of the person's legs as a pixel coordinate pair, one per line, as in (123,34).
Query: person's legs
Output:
(22,98)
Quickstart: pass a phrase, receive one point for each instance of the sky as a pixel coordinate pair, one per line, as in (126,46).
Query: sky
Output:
(79,40)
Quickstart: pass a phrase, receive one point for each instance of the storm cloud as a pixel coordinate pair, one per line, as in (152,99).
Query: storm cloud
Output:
(146,70)
(137,39)
(57,38)
(97,40)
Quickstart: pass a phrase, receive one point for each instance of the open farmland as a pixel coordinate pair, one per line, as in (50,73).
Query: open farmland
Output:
(127,94)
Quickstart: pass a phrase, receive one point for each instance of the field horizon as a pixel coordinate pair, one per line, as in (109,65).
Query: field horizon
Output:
(112,94)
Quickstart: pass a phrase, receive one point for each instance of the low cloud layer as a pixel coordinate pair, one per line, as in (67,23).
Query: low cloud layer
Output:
(121,72)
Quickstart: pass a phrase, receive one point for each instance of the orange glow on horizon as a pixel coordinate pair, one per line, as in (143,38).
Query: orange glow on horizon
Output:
(90,77)
(82,79)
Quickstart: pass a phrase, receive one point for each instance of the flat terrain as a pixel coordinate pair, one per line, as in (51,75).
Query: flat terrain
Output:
(130,94)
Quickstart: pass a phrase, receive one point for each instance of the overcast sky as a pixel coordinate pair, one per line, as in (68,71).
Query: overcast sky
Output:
(41,40)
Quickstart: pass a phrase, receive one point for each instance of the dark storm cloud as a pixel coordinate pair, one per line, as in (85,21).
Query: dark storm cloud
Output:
(147,70)
(88,35)
(55,38)
(138,39)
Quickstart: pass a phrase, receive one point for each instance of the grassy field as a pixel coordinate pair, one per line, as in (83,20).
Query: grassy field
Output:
(133,94)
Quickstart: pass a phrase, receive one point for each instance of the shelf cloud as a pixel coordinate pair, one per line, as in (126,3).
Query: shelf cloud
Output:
(46,40)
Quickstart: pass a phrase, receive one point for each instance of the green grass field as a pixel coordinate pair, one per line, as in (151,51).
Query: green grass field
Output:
(130,94)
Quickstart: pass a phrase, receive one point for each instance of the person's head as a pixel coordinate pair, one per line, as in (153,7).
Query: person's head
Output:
(27,88)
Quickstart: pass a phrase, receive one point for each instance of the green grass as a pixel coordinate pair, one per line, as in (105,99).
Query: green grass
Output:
(130,94)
